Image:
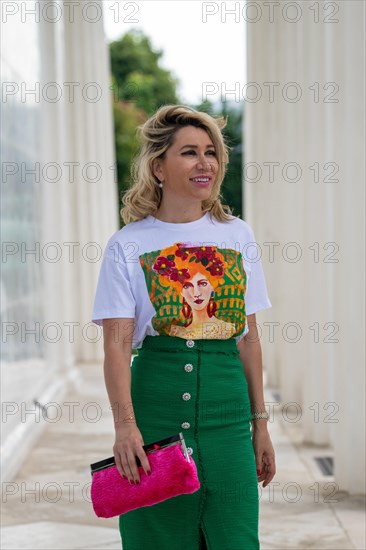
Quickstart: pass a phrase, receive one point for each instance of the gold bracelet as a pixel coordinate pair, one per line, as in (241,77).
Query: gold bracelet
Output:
(260,415)
(127,418)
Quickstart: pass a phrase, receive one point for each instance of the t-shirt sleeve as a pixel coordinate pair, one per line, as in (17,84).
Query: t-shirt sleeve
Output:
(114,297)
(256,296)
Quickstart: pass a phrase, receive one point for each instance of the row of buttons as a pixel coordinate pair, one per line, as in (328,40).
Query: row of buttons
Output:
(187,396)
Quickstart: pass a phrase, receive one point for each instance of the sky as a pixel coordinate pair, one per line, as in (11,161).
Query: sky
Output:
(204,47)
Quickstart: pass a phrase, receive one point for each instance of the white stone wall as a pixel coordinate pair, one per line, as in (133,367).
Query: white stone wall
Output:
(317,58)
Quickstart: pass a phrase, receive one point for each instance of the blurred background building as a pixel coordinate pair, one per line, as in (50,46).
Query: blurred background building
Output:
(59,205)
(303,190)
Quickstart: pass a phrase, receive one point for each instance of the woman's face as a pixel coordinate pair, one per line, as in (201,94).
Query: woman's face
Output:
(197,291)
(190,167)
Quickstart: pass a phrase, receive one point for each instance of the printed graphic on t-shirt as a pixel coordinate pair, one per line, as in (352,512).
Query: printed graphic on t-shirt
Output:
(197,291)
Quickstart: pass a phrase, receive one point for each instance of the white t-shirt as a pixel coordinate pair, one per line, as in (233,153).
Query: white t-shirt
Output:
(195,280)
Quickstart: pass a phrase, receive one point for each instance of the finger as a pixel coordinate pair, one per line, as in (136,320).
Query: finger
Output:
(268,480)
(133,466)
(262,476)
(263,473)
(259,462)
(260,465)
(144,460)
(126,467)
(117,460)
(270,472)
(270,464)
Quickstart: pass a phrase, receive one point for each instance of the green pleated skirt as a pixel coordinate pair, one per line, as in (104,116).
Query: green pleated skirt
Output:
(196,387)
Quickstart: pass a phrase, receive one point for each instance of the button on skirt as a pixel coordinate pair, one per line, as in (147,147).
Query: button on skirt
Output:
(196,387)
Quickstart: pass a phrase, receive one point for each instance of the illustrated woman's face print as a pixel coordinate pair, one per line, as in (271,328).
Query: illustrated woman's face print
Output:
(197,291)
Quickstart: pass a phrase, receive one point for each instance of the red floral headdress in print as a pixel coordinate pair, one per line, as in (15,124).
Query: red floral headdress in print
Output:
(181,262)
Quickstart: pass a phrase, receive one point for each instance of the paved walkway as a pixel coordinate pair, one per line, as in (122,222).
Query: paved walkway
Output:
(50,507)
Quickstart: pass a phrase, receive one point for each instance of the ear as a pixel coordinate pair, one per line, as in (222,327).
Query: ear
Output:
(157,169)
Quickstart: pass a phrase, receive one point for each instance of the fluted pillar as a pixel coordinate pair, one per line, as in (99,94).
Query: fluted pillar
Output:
(322,214)
(346,206)
(55,204)
(316,249)
(94,215)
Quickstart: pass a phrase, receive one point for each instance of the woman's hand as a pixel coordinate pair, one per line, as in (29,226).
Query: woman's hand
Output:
(264,453)
(128,444)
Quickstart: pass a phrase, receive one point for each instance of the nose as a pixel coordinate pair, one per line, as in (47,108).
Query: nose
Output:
(196,291)
(204,164)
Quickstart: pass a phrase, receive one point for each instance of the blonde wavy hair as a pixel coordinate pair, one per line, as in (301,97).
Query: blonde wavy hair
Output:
(144,196)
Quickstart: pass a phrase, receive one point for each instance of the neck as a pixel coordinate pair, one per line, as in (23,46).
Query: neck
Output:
(178,213)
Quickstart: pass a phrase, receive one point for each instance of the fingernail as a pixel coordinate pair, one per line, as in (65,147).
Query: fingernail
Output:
(258,472)
(149,473)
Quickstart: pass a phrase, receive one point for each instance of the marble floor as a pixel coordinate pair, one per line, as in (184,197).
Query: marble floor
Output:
(47,505)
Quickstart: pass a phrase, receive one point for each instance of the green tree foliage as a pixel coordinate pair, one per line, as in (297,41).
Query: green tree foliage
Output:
(127,116)
(232,186)
(138,75)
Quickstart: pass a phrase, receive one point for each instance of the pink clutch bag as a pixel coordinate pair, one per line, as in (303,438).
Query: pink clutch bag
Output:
(173,473)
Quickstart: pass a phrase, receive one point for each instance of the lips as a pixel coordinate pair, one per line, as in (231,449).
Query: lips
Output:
(201,179)
(198,301)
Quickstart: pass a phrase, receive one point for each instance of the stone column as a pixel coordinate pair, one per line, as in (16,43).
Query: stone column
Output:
(346,206)
(55,204)
(316,249)
(324,291)
(93,208)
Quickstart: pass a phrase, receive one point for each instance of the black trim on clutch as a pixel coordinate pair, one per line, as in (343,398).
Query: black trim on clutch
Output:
(149,448)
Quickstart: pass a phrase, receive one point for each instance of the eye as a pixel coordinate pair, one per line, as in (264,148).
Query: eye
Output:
(190,152)
(187,285)
(212,153)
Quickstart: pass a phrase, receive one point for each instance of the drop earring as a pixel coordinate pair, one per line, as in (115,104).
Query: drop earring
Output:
(212,306)
(187,312)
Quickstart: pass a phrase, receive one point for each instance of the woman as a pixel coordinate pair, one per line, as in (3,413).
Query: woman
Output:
(181,283)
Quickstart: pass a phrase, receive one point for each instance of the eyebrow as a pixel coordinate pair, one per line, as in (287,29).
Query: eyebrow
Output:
(196,146)
(199,281)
